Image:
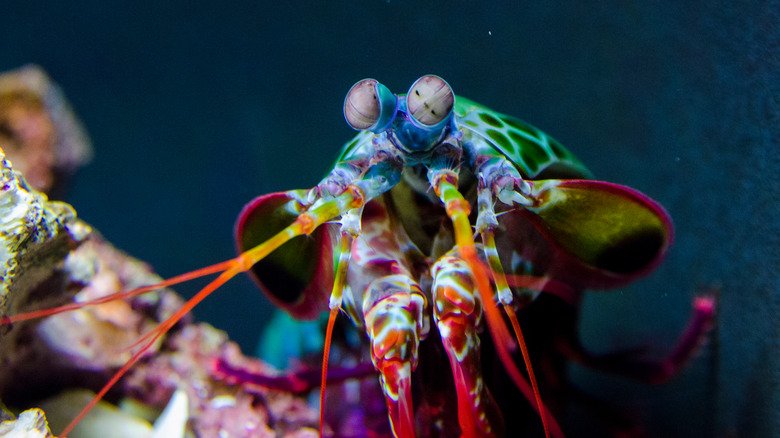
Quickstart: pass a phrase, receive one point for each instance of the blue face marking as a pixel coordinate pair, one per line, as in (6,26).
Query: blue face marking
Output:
(411,136)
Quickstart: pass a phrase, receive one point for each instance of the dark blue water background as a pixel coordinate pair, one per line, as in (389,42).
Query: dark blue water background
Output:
(195,107)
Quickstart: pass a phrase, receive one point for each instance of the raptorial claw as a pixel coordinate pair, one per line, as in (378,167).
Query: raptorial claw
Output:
(394,324)
(457,312)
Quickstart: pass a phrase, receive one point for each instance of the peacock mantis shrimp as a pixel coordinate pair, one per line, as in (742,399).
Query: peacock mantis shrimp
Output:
(388,238)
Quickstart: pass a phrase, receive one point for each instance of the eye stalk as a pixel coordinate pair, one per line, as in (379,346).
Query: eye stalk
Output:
(369,105)
(430,100)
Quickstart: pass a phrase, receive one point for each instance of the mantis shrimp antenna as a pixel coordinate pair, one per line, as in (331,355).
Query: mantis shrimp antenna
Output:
(158,332)
(198,273)
(334,312)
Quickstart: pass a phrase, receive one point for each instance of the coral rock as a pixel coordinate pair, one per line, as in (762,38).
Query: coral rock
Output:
(30,424)
(38,130)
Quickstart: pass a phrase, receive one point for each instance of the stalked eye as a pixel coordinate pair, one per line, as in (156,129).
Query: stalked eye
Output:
(430,100)
(369,105)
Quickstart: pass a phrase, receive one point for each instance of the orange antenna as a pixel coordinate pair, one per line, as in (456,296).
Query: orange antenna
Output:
(202,272)
(161,329)
(325,353)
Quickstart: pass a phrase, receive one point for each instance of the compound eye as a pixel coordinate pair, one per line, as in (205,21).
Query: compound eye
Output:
(369,105)
(430,100)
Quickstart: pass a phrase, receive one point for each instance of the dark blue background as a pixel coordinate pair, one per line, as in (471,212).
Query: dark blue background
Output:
(194,108)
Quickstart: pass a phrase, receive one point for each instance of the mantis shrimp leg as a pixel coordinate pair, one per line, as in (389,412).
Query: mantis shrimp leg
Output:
(444,182)
(394,327)
(458,312)
(392,310)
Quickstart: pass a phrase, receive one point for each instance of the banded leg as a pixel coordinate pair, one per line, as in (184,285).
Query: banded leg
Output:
(457,313)
(486,224)
(350,228)
(393,309)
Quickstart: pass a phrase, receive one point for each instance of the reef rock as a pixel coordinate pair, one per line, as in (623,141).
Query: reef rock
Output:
(39,132)
(35,234)
(30,424)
